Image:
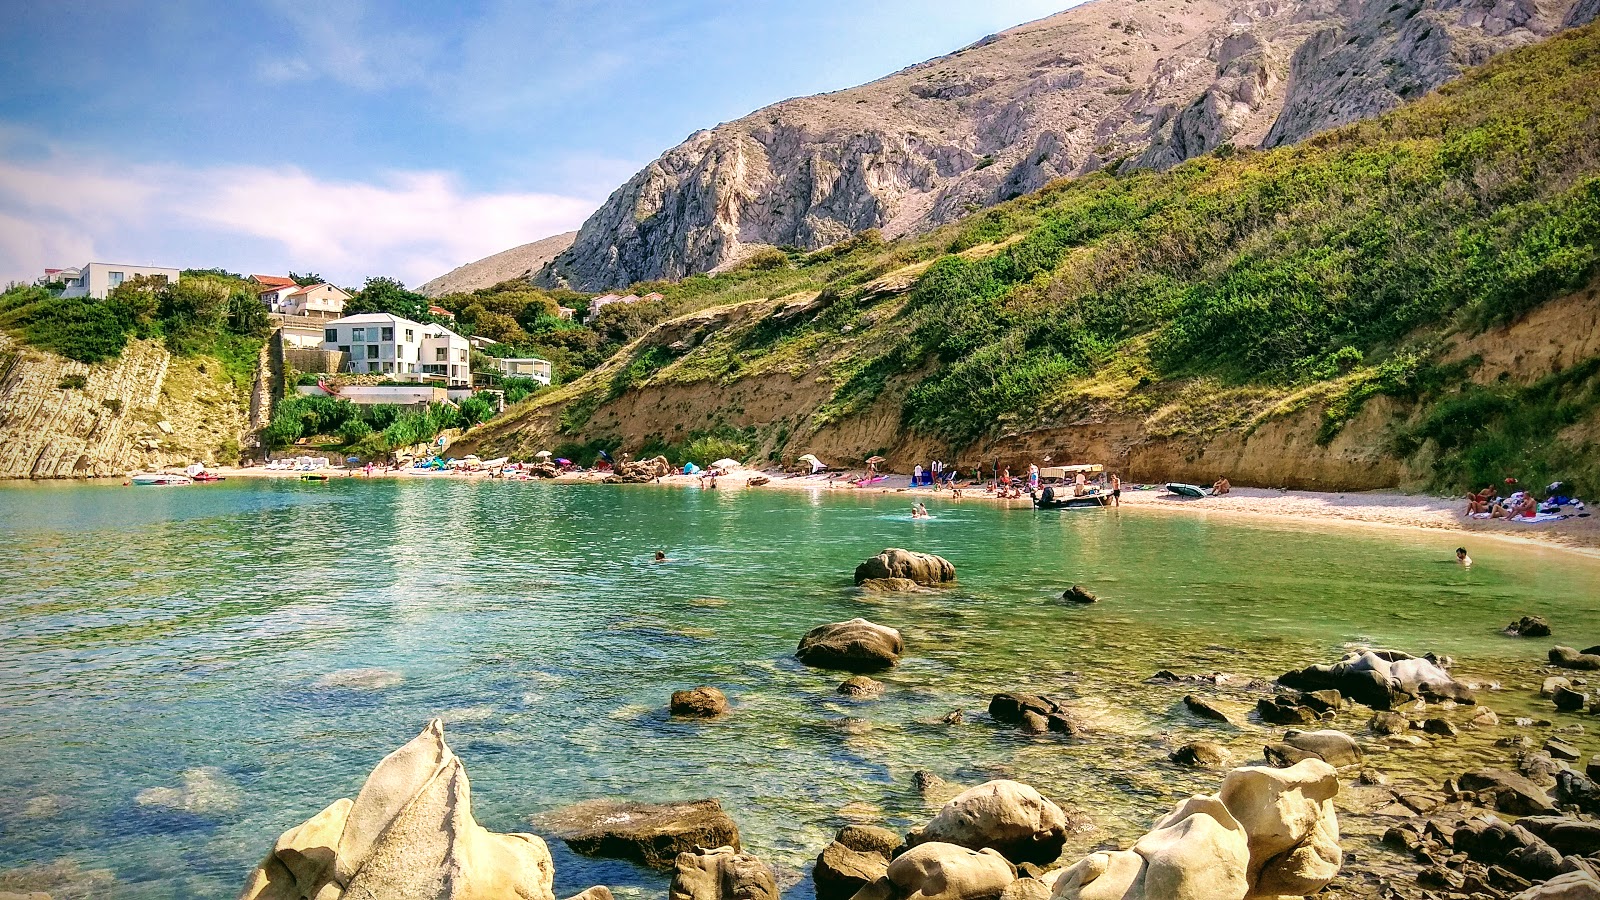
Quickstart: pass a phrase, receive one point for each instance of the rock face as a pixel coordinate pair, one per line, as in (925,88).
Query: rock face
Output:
(650,834)
(1267,833)
(518,262)
(922,568)
(721,874)
(409,833)
(1007,816)
(699,703)
(1101,83)
(854,646)
(1382,679)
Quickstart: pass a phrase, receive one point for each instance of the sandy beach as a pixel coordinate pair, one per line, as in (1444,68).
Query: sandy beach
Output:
(1365,508)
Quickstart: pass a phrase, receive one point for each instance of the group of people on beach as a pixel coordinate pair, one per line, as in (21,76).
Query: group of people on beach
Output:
(1521,504)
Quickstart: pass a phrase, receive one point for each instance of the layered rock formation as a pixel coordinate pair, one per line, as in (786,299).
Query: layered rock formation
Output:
(408,833)
(1100,84)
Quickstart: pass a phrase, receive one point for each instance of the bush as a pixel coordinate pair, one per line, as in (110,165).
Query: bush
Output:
(476,409)
(766,259)
(73,382)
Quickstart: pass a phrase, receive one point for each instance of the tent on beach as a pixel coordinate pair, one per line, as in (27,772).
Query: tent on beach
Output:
(817,465)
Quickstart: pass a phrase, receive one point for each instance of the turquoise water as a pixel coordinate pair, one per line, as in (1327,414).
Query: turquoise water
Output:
(166,710)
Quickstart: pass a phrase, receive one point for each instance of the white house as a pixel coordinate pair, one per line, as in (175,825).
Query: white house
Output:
(386,344)
(317,301)
(526,367)
(97,279)
(598,303)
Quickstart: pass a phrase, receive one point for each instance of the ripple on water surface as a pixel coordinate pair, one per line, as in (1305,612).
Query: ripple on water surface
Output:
(188,672)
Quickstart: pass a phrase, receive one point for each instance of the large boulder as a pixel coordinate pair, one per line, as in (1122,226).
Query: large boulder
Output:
(1507,792)
(1007,816)
(1576,885)
(699,703)
(643,470)
(408,833)
(1382,679)
(923,568)
(1568,658)
(854,646)
(940,871)
(651,834)
(1529,626)
(1332,747)
(858,856)
(721,874)
(1266,833)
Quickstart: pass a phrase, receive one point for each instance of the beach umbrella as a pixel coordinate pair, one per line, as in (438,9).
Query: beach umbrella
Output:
(874,460)
(810,457)
(544,454)
(725,463)
(563,461)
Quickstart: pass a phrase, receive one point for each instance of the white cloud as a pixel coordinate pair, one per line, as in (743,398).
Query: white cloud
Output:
(64,209)
(345,40)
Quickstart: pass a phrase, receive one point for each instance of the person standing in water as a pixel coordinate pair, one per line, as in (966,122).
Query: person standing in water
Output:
(1462,557)
(1116,490)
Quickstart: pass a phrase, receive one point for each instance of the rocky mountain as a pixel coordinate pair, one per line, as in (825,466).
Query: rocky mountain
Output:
(518,262)
(1148,84)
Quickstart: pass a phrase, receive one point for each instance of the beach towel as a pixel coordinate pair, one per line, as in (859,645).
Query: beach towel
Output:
(1541,517)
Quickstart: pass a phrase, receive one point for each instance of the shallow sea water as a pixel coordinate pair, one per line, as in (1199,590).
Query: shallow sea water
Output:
(180,668)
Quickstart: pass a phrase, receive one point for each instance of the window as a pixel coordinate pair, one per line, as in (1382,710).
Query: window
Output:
(331,335)
(388,367)
(461,355)
(409,338)
(440,355)
(388,334)
(372,351)
(358,335)
(113,278)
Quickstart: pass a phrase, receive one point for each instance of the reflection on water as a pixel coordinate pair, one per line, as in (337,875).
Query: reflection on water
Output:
(187,672)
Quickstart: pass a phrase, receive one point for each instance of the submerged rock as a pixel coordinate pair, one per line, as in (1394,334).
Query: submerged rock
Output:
(854,646)
(1205,709)
(1006,816)
(408,833)
(861,687)
(922,568)
(891,585)
(721,874)
(1201,754)
(1285,710)
(1079,594)
(1335,748)
(652,834)
(1267,832)
(205,791)
(359,680)
(700,702)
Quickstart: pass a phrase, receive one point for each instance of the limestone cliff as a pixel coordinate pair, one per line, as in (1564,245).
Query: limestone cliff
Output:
(145,410)
(518,262)
(1148,84)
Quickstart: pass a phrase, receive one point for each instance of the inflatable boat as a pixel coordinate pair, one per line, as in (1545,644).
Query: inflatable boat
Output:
(1188,490)
(1052,498)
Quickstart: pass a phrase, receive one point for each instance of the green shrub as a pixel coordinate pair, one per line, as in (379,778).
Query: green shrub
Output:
(73,382)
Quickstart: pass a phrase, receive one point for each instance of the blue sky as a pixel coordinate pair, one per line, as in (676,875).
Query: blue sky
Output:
(359,138)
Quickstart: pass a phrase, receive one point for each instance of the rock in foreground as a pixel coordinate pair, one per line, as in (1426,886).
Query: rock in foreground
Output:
(699,703)
(922,568)
(1006,816)
(938,871)
(721,874)
(1267,833)
(650,834)
(1568,658)
(409,833)
(854,646)
(1382,679)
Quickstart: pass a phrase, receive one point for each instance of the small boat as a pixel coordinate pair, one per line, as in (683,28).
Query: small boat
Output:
(210,476)
(1192,491)
(161,479)
(313,477)
(1049,498)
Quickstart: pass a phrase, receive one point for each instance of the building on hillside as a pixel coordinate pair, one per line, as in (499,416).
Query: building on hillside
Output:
(566,313)
(272,281)
(436,310)
(479,342)
(97,279)
(316,301)
(600,303)
(652,297)
(525,367)
(386,344)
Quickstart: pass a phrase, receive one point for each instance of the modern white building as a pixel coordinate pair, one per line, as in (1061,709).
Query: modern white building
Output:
(526,367)
(386,344)
(97,279)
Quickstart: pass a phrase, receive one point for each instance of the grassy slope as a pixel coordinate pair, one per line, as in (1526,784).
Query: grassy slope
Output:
(1231,290)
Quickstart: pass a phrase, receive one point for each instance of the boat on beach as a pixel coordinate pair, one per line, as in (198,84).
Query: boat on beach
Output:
(1062,489)
(160,479)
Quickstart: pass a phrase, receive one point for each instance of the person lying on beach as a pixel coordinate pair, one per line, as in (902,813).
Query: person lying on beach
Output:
(1220,487)
(1462,557)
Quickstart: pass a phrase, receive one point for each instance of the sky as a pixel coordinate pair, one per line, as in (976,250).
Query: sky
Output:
(354,138)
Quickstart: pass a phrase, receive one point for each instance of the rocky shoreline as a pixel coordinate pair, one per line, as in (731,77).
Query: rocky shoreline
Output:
(1338,806)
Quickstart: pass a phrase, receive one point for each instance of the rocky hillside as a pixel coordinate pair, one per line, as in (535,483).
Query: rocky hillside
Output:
(144,410)
(1103,84)
(518,262)
(1408,300)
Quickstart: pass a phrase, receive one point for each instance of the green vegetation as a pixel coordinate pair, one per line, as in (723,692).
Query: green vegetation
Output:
(1331,271)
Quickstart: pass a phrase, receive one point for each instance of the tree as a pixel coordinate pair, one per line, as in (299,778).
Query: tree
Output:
(389,295)
(308,278)
(247,315)
(500,327)
(140,297)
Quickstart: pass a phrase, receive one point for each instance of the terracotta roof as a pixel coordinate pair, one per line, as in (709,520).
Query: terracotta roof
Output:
(273,281)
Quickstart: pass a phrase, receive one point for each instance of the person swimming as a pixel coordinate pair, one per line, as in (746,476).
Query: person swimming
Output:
(1462,557)
(918,511)
(661,556)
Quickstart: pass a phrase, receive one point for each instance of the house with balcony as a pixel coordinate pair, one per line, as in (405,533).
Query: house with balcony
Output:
(400,349)
(96,279)
(313,301)
(525,367)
